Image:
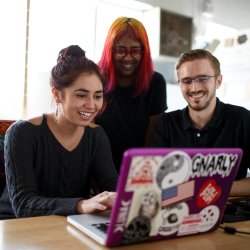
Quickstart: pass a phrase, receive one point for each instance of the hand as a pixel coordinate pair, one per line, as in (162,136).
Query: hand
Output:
(99,203)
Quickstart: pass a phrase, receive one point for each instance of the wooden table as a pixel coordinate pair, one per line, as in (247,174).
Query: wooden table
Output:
(54,232)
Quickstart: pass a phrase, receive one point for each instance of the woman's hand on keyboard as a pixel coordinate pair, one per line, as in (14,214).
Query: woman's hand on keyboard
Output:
(99,203)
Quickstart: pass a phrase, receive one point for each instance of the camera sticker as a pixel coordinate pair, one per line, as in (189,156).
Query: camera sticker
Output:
(170,218)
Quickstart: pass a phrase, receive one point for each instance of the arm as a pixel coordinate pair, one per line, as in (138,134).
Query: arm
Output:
(241,188)
(20,151)
(149,134)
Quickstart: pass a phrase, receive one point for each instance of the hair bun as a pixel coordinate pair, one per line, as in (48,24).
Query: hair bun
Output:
(71,51)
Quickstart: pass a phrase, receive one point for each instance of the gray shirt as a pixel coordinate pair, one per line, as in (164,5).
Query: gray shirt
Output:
(43,178)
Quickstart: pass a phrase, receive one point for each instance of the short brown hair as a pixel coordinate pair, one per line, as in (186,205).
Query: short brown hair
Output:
(197,54)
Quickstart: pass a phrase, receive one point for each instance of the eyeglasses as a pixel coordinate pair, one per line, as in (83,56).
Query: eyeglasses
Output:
(123,52)
(201,79)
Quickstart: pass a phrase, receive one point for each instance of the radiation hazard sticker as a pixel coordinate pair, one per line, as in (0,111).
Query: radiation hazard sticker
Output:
(142,172)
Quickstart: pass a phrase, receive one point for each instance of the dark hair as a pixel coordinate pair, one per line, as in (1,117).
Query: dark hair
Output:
(196,54)
(71,63)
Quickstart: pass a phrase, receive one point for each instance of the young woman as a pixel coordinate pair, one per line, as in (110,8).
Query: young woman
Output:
(51,159)
(136,94)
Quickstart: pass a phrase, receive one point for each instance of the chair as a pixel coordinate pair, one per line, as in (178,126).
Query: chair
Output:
(4,125)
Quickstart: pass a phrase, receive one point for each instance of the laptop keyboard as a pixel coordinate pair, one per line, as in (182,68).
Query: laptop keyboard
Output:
(101,226)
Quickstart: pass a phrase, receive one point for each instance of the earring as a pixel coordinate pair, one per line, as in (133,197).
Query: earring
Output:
(56,114)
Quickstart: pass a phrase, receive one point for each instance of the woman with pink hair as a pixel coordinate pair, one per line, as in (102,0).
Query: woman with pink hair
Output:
(136,94)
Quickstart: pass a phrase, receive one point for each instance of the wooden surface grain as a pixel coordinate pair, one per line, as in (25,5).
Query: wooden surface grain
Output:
(54,232)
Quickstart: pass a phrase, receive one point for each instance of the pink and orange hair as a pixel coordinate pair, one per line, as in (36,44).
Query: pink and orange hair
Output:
(131,28)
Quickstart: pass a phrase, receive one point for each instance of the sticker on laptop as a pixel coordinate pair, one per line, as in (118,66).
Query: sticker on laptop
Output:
(179,193)
(210,216)
(212,164)
(170,219)
(171,177)
(175,168)
(190,224)
(142,172)
(208,194)
(140,223)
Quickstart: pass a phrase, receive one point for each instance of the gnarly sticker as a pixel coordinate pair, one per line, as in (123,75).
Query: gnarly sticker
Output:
(141,173)
(208,194)
(210,216)
(173,170)
(210,165)
(170,218)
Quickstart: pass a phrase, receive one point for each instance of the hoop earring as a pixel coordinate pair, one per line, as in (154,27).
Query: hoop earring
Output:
(56,114)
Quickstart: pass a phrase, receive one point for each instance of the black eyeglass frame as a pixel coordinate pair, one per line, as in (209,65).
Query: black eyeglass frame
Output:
(195,79)
(128,52)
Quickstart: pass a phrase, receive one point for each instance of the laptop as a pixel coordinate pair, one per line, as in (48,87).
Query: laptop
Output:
(164,193)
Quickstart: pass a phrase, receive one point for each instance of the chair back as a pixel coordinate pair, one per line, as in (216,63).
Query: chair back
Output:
(4,125)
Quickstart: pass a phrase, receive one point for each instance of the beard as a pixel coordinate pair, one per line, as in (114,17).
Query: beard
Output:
(207,102)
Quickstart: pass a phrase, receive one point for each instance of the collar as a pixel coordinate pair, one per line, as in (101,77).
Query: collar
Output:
(214,121)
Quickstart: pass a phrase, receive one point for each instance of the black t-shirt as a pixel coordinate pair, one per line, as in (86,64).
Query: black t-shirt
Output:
(228,128)
(126,119)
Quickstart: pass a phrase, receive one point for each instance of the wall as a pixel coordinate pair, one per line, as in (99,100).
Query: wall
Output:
(232,13)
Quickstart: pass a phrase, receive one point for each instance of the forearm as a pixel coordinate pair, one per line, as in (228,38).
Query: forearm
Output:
(26,204)
(241,188)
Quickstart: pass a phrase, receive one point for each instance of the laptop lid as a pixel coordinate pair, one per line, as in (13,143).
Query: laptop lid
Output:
(166,193)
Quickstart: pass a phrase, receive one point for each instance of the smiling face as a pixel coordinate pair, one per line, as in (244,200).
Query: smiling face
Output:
(81,102)
(126,65)
(200,96)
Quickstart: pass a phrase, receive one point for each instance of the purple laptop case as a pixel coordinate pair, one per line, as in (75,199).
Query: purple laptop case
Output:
(166,193)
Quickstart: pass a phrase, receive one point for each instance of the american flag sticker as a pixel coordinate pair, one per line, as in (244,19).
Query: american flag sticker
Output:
(178,193)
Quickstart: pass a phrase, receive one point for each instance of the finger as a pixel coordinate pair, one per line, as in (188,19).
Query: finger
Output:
(114,194)
(99,206)
(106,201)
(105,193)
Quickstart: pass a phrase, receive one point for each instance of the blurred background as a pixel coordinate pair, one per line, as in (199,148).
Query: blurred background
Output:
(34,31)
